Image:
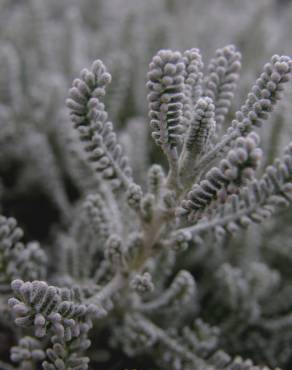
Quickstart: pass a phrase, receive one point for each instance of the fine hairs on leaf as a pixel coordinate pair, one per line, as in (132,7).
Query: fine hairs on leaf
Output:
(139,263)
(221,80)
(90,118)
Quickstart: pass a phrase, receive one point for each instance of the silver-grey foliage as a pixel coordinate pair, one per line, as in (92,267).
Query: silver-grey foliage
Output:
(144,265)
(112,267)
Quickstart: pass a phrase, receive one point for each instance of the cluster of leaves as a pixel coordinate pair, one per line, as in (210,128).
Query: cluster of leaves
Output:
(172,262)
(110,256)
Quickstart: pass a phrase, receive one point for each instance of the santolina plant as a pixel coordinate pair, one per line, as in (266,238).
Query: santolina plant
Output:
(150,271)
